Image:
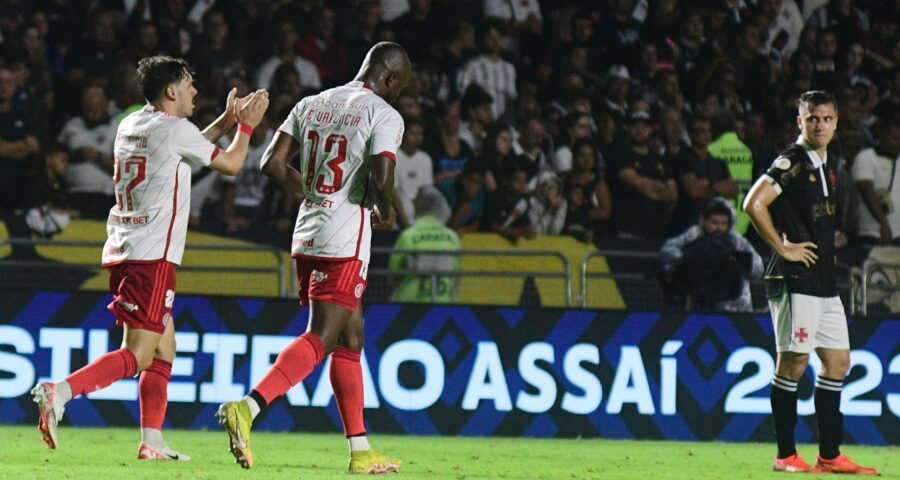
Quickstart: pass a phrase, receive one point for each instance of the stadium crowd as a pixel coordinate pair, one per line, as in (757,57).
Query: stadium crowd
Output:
(613,121)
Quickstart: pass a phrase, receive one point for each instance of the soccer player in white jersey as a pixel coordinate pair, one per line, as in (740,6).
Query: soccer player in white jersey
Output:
(146,233)
(347,138)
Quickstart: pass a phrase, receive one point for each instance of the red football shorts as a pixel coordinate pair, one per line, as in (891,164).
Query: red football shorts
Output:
(143,294)
(337,281)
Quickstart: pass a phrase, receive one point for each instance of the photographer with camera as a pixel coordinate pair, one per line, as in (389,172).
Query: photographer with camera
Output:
(710,263)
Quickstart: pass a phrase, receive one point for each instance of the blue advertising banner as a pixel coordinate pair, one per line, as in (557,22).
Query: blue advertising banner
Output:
(456,370)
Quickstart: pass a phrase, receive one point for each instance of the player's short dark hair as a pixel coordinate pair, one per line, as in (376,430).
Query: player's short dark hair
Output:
(156,73)
(814,98)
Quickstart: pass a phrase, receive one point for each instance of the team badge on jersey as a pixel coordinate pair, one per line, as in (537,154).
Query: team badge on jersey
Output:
(782,163)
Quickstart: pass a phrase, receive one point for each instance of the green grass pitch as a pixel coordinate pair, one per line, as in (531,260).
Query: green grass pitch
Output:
(109,453)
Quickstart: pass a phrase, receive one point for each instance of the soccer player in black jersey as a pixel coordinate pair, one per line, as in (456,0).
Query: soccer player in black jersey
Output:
(793,207)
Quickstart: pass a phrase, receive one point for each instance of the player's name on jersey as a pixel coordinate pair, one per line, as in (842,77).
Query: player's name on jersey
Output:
(328,117)
(138,220)
(324,203)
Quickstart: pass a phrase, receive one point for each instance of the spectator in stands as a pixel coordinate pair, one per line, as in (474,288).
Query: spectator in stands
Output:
(448,151)
(547,206)
(50,210)
(458,47)
(506,211)
(729,148)
(496,152)
(590,178)
(414,171)
(477,116)
(578,214)
(415,30)
(618,86)
(532,147)
(243,195)
(466,195)
(875,171)
(493,73)
(700,176)
(213,52)
(712,262)
(321,47)
(18,145)
(576,126)
(429,232)
(90,138)
(126,96)
(285,44)
(644,190)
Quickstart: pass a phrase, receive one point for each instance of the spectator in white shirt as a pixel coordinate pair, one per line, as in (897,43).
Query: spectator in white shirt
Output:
(489,70)
(875,173)
(412,172)
(90,138)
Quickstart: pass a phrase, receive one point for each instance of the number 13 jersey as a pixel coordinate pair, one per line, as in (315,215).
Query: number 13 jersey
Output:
(149,221)
(338,130)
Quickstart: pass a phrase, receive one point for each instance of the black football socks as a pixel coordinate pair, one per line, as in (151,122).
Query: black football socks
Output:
(784,412)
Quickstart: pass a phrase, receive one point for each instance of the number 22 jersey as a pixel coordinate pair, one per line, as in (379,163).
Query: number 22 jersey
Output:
(338,130)
(149,221)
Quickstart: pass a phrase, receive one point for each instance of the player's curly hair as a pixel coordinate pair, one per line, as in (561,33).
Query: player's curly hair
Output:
(814,98)
(156,73)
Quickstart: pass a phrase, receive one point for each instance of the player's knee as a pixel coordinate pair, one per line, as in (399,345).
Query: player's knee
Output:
(353,341)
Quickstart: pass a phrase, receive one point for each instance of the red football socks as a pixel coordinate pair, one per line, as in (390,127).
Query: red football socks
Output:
(153,393)
(292,365)
(347,383)
(102,372)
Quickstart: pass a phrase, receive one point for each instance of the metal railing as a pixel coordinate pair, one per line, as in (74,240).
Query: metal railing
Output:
(433,274)
(862,283)
(279,270)
(628,276)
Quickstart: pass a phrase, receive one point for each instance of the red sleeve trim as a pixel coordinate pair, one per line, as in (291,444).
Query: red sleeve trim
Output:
(215,153)
(388,154)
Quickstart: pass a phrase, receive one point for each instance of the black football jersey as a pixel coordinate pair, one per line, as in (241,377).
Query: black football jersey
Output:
(805,210)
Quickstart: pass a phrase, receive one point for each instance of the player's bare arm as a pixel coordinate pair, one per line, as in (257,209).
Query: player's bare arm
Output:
(276,162)
(251,112)
(873,203)
(381,184)
(760,196)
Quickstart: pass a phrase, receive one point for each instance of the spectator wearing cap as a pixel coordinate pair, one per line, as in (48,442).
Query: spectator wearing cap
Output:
(644,190)
(488,69)
(618,86)
(477,116)
(700,176)
(729,148)
(413,172)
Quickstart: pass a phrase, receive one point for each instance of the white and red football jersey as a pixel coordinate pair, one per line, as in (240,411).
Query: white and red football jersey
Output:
(338,130)
(153,187)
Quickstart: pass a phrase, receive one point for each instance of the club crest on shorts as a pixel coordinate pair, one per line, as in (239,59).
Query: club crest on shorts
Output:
(358,291)
(319,276)
(166,319)
(800,335)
